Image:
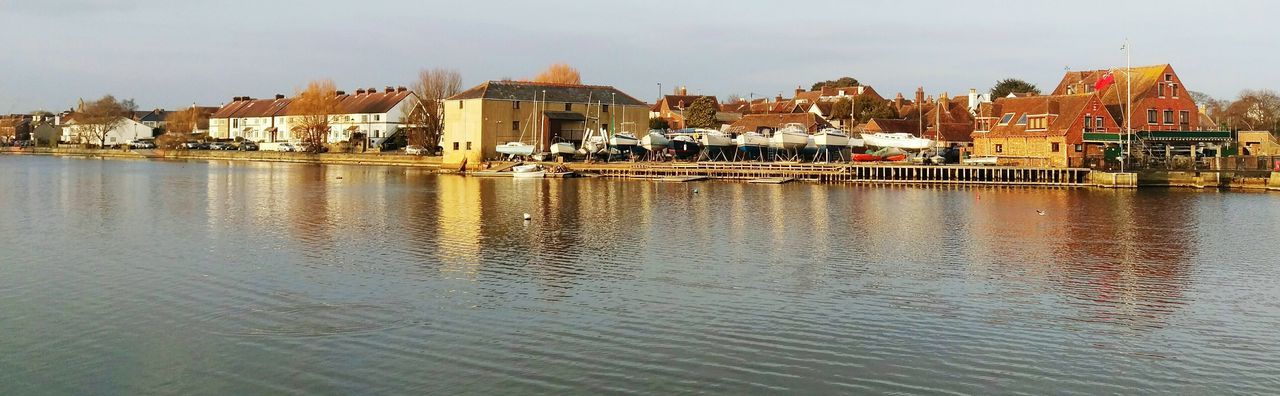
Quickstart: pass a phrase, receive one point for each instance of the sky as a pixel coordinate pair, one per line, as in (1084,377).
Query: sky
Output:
(173,53)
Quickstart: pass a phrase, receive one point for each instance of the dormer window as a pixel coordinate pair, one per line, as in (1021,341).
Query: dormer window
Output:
(1022,120)
(1168,77)
(1005,120)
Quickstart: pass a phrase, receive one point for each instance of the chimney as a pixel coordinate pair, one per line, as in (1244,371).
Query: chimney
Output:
(800,90)
(359,91)
(684,91)
(861,90)
(340,93)
(919,96)
(779,98)
(279,96)
(389,89)
(1203,108)
(897,101)
(371,90)
(401,89)
(973,99)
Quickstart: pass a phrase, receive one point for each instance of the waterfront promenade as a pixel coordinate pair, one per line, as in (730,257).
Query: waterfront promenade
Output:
(855,173)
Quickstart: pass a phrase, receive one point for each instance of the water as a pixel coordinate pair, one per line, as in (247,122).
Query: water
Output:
(142,277)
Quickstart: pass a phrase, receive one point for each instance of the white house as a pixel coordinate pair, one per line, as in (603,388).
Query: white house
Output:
(377,115)
(129,130)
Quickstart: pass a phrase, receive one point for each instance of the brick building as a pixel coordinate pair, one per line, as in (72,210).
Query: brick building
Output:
(1042,130)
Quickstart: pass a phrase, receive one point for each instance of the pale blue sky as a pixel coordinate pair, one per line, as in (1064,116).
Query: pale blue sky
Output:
(173,53)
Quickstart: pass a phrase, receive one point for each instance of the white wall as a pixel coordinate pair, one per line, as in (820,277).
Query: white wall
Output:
(127,132)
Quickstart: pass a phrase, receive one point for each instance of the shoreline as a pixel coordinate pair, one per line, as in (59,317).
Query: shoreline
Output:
(884,174)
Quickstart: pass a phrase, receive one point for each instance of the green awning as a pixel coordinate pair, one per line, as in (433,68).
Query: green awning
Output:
(1162,136)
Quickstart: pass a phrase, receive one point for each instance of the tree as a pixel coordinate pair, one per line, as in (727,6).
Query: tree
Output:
(701,113)
(659,123)
(426,117)
(732,98)
(96,119)
(178,126)
(1012,85)
(1256,110)
(559,73)
(314,107)
(842,82)
(1213,106)
(842,109)
(879,110)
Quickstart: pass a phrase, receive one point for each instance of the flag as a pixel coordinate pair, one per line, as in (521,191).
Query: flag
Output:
(1104,82)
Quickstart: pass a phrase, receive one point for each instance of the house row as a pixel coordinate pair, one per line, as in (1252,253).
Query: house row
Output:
(370,115)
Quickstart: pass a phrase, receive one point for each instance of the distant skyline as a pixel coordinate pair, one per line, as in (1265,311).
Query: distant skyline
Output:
(168,54)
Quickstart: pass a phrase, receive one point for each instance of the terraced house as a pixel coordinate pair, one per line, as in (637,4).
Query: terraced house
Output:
(367,117)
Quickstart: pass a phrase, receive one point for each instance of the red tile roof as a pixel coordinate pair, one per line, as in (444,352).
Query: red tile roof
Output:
(755,122)
(1069,109)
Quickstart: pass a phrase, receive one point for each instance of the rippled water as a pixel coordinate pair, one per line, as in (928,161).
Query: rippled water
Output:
(128,277)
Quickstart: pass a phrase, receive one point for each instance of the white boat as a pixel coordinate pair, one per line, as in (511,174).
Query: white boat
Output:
(857,141)
(515,149)
(654,141)
(791,137)
(831,138)
(563,149)
(752,139)
(593,145)
(980,160)
(714,138)
(624,140)
(528,171)
(898,140)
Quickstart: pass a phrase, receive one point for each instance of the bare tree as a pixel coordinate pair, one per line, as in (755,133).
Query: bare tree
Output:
(1256,110)
(96,119)
(314,107)
(425,119)
(178,127)
(559,73)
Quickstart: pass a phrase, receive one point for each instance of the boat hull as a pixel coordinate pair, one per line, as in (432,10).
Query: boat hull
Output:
(684,148)
(654,142)
(517,150)
(896,140)
(563,149)
(831,140)
(788,141)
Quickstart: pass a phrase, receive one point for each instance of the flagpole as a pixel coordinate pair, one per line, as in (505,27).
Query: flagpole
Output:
(1128,65)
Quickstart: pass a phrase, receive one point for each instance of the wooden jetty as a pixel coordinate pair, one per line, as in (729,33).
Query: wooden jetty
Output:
(847,173)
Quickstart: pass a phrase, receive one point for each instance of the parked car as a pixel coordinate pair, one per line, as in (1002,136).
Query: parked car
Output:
(142,144)
(307,147)
(221,146)
(288,147)
(415,150)
(248,146)
(191,145)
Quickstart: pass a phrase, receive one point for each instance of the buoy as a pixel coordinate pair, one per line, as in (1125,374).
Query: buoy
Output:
(527,216)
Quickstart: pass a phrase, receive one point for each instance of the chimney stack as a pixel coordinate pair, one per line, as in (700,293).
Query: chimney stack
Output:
(973,99)
(401,89)
(279,96)
(390,89)
(359,91)
(684,91)
(897,101)
(800,89)
(919,96)
(340,93)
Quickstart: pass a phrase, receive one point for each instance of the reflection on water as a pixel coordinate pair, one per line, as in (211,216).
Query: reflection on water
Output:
(194,277)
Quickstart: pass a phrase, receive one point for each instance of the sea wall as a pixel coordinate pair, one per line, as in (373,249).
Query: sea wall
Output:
(1245,180)
(265,156)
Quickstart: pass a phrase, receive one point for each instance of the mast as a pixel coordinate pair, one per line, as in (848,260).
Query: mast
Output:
(1128,81)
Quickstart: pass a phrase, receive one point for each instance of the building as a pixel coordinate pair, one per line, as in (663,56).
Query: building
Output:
(479,119)
(372,116)
(672,107)
(952,135)
(128,130)
(1160,100)
(1258,143)
(15,127)
(1042,130)
(946,119)
(765,123)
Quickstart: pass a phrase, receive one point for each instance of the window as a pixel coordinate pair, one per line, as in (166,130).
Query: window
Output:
(1184,119)
(1037,122)
(604,108)
(364,118)
(1152,115)
(999,148)
(1168,77)
(377,117)
(455,144)
(1055,147)
(1022,120)
(1160,90)
(1168,117)
(1097,124)
(515,125)
(515,105)
(1005,120)
(459,106)
(1173,90)
(1088,124)
(568,107)
(1079,148)
(468,146)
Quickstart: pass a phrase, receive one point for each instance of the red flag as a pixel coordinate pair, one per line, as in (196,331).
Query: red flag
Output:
(1104,82)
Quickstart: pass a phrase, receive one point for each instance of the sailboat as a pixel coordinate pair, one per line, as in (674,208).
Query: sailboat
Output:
(790,137)
(896,140)
(654,141)
(517,148)
(625,140)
